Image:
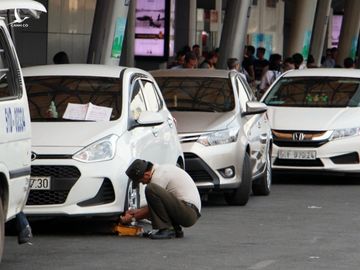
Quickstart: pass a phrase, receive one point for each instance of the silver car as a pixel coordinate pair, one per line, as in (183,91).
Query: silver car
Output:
(224,132)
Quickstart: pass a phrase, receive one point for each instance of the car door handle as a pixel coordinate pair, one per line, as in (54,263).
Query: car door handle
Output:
(263,138)
(155,132)
(170,122)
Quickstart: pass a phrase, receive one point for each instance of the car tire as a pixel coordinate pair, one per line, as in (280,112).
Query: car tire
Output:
(240,196)
(132,197)
(262,185)
(2,229)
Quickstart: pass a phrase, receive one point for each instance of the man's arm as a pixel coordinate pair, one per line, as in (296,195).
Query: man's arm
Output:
(138,214)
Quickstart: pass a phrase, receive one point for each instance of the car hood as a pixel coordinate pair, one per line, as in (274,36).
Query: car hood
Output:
(290,118)
(193,122)
(70,134)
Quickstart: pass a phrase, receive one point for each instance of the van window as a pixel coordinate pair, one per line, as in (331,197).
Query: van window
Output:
(137,103)
(151,97)
(10,80)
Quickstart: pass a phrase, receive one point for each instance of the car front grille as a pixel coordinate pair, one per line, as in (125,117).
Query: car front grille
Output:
(199,170)
(62,180)
(295,138)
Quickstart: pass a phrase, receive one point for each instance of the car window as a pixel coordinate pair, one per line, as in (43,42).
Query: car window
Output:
(315,92)
(10,81)
(151,97)
(49,96)
(137,101)
(197,94)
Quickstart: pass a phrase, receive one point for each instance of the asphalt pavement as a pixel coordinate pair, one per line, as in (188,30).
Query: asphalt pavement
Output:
(303,224)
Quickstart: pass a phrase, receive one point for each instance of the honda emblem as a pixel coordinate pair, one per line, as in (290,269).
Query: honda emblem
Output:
(298,136)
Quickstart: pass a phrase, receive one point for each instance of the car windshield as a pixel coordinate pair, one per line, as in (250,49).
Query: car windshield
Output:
(50,96)
(197,94)
(315,92)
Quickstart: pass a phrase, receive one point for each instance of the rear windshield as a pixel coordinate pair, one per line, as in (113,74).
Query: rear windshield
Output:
(315,92)
(49,97)
(197,94)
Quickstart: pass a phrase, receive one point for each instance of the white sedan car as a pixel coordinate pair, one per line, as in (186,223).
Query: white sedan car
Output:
(224,132)
(89,122)
(315,121)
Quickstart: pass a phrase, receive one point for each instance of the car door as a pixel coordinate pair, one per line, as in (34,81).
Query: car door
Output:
(163,133)
(257,129)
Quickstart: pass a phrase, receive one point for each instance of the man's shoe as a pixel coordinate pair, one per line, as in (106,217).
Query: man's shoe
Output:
(178,231)
(25,236)
(163,234)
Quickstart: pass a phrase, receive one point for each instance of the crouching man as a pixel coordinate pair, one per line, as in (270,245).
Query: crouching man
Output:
(173,199)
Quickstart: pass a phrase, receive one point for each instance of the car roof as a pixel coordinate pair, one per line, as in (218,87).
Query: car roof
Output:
(74,70)
(213,73)
(324,72)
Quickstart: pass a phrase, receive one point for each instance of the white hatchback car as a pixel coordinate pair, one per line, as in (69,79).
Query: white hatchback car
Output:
(315,121)
(89,123)
(224,132)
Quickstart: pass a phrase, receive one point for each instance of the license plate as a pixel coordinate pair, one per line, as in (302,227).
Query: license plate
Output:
(40,182)
(297,154)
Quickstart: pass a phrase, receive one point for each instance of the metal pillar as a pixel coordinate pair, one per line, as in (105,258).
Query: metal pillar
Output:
(127,55)
(319,31)
(108,14)
(301,27)
(234,30)
(218,7)
(349,31)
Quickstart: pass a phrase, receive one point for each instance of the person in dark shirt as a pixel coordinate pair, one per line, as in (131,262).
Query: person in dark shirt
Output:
(248,62)
(260,64)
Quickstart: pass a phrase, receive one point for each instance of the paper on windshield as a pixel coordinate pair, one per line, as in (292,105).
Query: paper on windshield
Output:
(87,111)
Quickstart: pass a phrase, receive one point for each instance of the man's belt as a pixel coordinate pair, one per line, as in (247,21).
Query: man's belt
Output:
(193,207)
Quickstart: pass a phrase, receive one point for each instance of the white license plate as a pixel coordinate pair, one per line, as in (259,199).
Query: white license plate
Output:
(40,182)
(297,154)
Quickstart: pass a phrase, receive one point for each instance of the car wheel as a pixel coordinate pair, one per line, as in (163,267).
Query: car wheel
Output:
(262,185)
(2,229)
(240,196)
(132,197)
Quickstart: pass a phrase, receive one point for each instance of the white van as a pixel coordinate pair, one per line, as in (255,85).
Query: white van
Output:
(15,131)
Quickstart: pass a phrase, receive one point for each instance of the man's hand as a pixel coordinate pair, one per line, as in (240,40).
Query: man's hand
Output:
(138,214)
(127,217)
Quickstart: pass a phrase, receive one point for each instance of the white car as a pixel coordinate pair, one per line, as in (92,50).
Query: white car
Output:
(15,131)
(89,123)
(315,121)
(224,132)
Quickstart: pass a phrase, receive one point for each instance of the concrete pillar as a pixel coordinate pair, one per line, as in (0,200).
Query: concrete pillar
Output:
(192,22)
(218,7)
(127,55)
(109,16)
(234,30)
(301,27)
(349,31)
(319,31)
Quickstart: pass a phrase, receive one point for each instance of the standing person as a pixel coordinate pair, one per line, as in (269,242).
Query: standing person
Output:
(197,51)
(234,64)
(172,196)
(298,61)
(210,61)
(61,58)
(23,229)
(329,61)
(271,75)
(349,63)
(260,63)
(190,61)
(248,62)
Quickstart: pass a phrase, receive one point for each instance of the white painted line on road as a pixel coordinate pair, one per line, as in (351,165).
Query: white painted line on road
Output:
(261,265)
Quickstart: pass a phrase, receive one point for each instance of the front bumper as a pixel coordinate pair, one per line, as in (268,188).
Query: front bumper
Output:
(337,157)
(78,188)
(205,164)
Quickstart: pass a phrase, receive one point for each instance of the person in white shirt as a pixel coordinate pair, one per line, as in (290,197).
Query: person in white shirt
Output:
(172,197)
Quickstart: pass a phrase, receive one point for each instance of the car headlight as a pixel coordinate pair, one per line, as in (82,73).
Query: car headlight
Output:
(100,150)
(345,132)
(219,137)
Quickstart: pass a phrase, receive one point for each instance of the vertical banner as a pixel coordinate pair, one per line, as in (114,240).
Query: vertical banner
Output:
(306,44)
(353,50)
(118,37)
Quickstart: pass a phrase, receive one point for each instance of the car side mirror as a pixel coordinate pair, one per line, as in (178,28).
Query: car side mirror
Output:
(147,118)
(254,107)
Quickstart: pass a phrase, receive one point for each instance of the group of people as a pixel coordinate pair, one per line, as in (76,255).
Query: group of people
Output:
(258,71)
